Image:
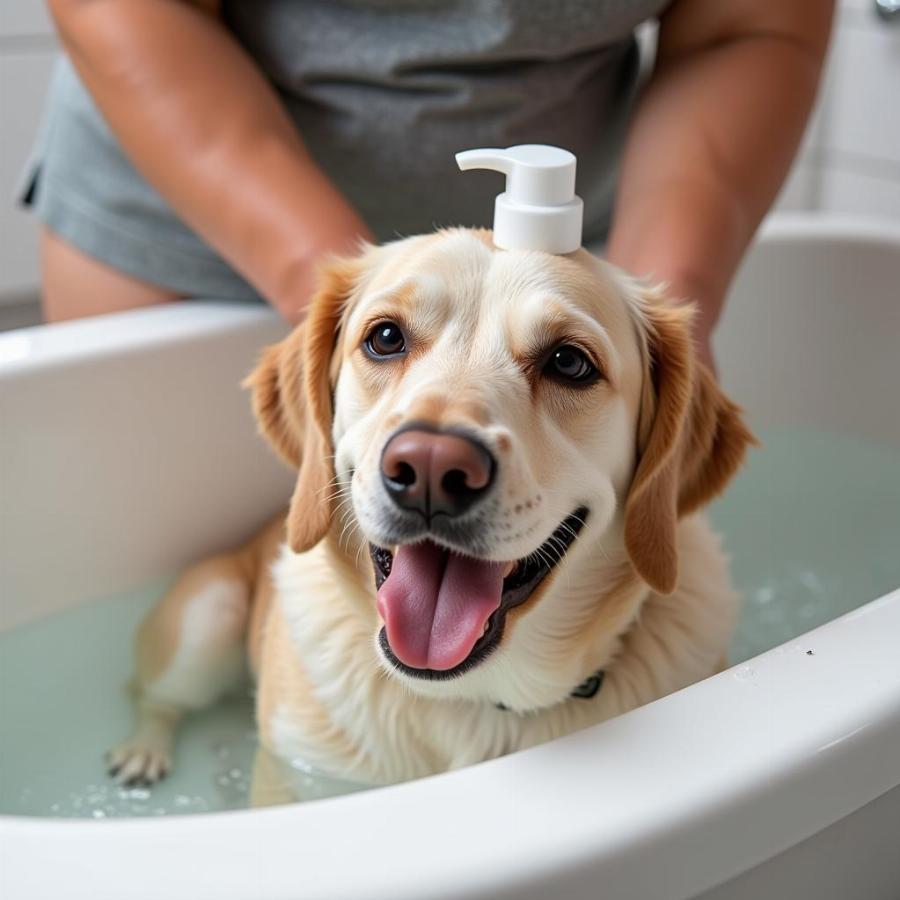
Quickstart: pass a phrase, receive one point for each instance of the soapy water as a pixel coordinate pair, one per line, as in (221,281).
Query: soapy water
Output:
(812,529)
(64,701)
(812,526)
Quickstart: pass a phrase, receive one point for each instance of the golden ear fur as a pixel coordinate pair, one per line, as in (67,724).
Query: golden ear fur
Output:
(292,401)
(276,386)
(692,439)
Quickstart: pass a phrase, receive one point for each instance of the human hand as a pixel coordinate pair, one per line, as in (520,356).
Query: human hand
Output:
(338,230)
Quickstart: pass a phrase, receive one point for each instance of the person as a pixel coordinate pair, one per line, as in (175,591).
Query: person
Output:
(220,148)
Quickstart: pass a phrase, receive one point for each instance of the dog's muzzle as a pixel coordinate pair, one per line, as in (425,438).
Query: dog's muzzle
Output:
(445,613)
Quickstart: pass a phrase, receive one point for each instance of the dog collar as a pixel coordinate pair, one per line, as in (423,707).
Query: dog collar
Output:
(588,688)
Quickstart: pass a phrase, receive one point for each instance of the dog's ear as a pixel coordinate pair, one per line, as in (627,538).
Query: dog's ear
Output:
(276,386)
(691,441)
(292,399)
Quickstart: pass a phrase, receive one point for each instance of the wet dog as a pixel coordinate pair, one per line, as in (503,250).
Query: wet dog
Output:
(495,536)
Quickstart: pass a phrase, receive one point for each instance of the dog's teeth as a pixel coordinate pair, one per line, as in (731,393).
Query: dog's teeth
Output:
(510,568)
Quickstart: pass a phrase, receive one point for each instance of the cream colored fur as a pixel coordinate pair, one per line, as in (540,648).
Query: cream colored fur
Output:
(381,729)
(643,593)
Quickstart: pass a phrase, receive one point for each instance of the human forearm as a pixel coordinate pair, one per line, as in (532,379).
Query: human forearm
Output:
(713,138)
(201,123)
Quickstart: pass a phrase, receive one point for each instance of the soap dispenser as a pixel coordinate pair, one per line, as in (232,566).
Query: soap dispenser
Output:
(539,209)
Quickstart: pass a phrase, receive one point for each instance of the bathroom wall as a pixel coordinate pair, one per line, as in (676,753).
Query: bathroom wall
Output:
(27,50)
(850,159)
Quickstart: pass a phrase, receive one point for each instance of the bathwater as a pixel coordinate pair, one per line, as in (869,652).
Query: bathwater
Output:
(64,701)
(812,529)
(812,526)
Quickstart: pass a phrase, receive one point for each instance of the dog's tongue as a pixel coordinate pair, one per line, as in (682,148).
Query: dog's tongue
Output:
(435,604)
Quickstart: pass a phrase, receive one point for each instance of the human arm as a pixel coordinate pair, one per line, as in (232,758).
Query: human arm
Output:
(712,139)
(201,123)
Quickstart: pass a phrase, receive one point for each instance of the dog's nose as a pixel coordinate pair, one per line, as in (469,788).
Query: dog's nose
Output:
(434,472)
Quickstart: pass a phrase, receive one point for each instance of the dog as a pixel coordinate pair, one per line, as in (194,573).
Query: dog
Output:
(496,534)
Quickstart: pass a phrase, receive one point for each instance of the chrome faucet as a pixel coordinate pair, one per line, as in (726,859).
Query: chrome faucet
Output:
(889,10)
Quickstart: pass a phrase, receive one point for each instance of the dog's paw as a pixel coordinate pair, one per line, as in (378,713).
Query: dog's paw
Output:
(137,764)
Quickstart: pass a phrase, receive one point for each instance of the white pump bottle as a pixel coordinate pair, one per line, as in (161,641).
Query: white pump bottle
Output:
(539,209)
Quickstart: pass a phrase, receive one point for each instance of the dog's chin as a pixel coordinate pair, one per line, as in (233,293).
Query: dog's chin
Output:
(522,579)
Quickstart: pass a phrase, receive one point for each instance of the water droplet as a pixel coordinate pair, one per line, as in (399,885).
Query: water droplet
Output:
(810,581)
(743,673)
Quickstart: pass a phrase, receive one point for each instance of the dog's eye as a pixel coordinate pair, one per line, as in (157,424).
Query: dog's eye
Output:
(386,339)
(568,363)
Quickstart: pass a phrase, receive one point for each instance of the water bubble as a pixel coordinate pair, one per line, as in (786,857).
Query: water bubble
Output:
(810,581)
(301,765)
(743,673)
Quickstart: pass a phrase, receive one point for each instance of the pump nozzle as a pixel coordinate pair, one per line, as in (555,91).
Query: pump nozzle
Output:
(539,209)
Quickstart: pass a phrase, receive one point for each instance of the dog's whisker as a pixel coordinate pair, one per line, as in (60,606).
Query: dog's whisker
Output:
(603,551)
(328,487)
(342,512)
(359,550)
(569,528)
(351,524)
(542,556)
(338,493)
(559,546)
(344,505)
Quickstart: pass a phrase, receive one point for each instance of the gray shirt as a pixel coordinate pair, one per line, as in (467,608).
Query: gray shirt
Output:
(383,93)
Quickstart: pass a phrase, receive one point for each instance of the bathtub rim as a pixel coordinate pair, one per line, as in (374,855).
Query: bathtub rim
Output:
(670,849)
(819,226)
(841,755)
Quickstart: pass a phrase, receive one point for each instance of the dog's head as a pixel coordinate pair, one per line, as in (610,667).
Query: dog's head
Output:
(502,428)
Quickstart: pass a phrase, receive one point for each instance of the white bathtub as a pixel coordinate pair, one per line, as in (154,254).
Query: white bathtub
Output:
(783,784)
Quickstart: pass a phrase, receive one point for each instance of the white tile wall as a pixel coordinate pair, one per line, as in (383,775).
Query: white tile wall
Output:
(860,149)
(27,50)
(846,190)
(850,160)
(865,92)
(24,18)
(23,83)
(802,188)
